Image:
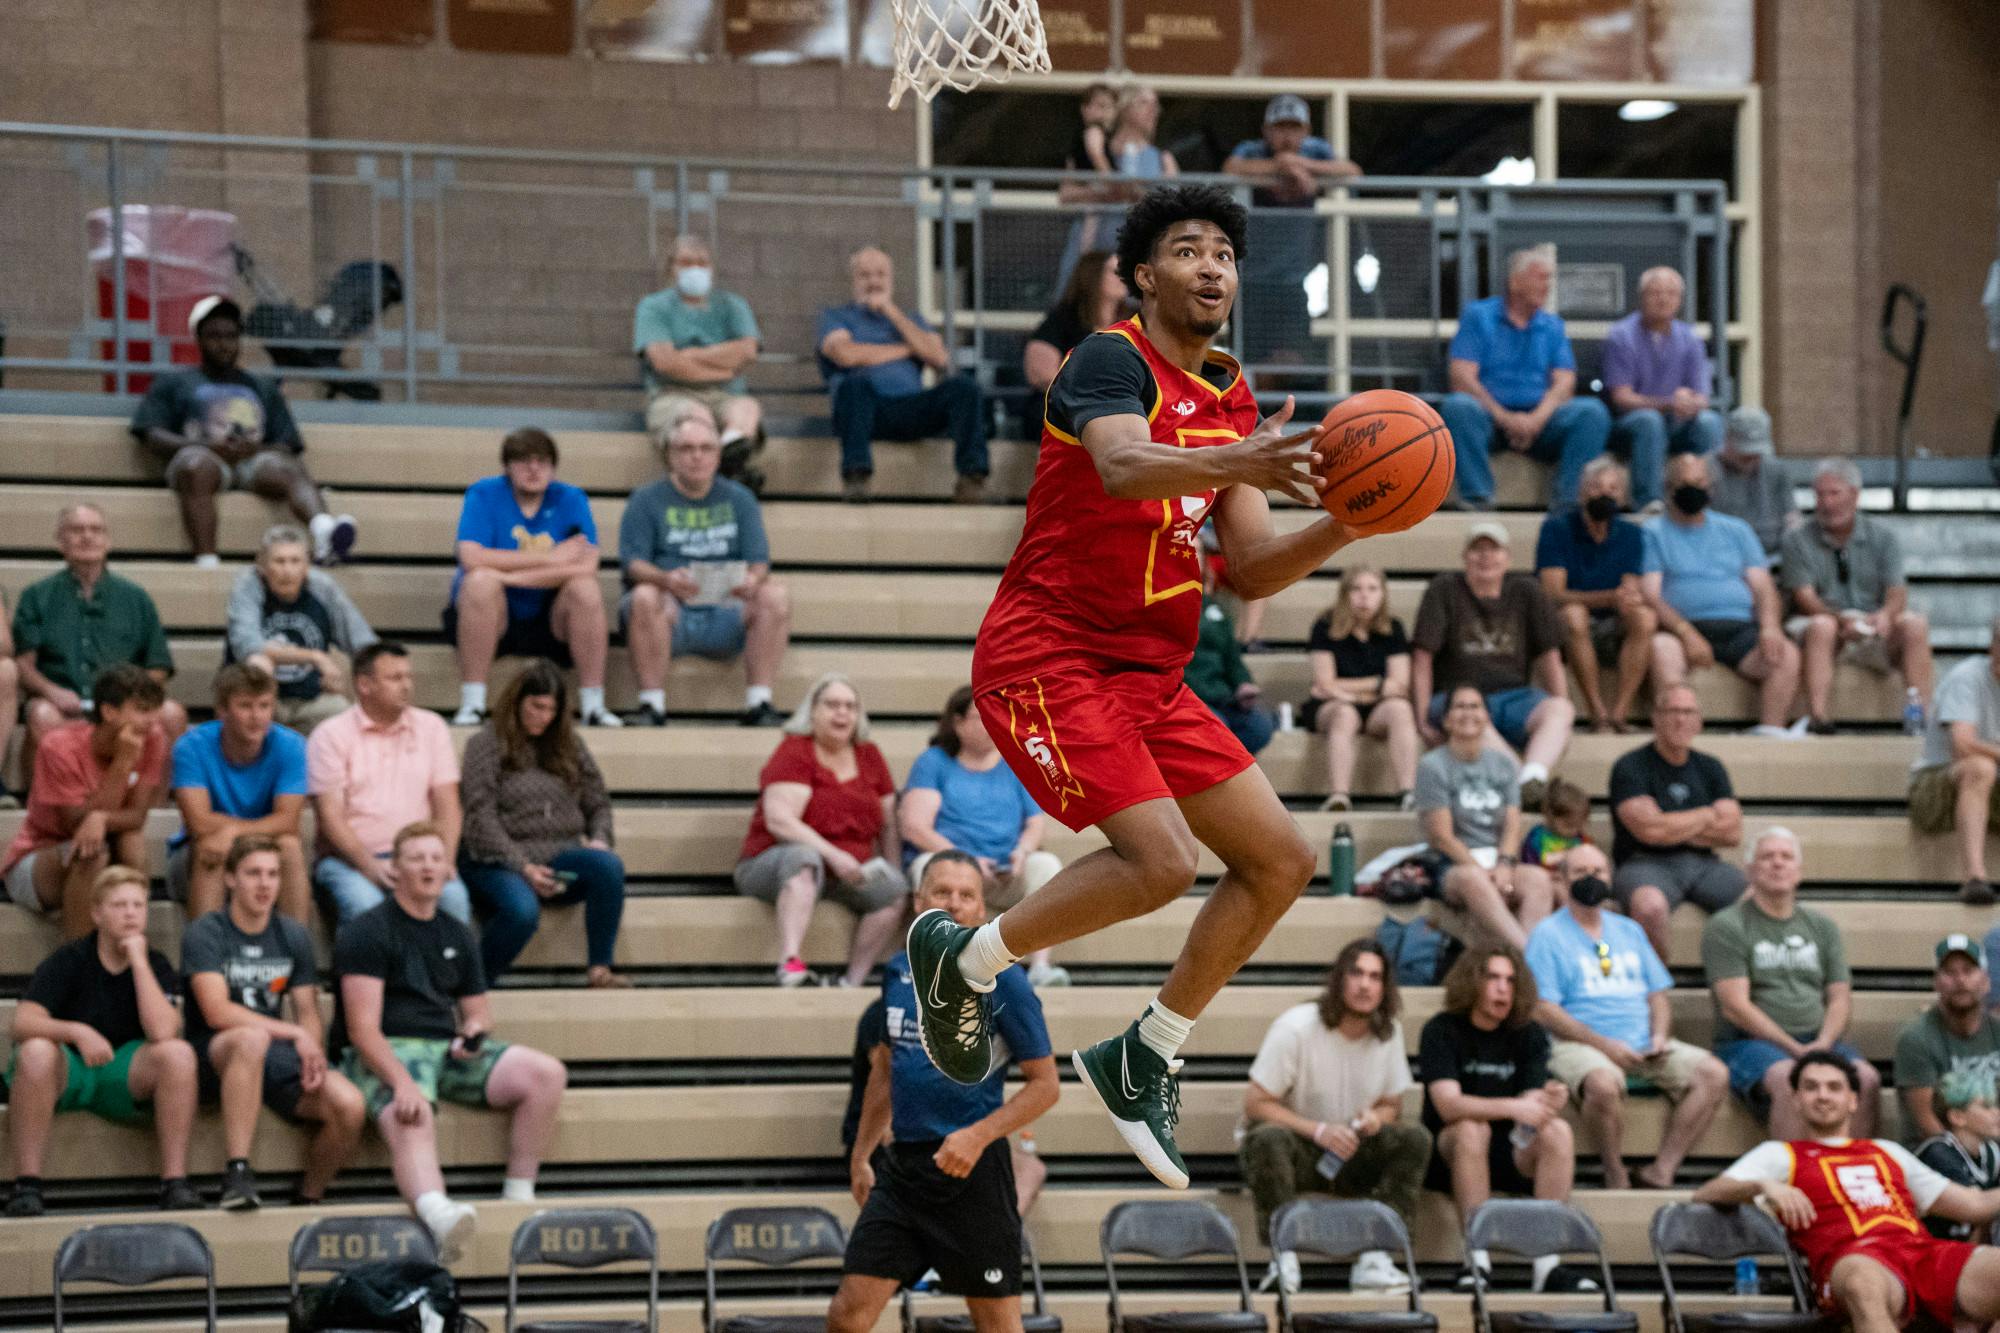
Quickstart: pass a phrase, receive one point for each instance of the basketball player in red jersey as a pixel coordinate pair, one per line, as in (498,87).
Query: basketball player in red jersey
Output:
(1852,1207)
(1148,433)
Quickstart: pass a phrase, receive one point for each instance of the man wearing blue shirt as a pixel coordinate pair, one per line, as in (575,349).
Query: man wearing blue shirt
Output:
(872,356)
(1603,998)
(1708,582)
(1588,560)
(241,775)
(527,579)
(944,1198)
(1513,381)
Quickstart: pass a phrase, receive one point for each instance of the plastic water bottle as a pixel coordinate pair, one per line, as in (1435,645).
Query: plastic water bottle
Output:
(1522,1136)
(1746,1277)
(1340,862)
(1330,1163)
(1913,713)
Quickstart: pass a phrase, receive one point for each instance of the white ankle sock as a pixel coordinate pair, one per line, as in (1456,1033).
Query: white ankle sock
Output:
(1163,1030)
(590,700)
(1543,1267)
(1534,773)
(1483,1259)
(756,694)
(653,699)
(472,694)
(430,1207)
(985,956)
(516,1190)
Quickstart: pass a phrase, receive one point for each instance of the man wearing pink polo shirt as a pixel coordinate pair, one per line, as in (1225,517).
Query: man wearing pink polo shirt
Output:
(371,770)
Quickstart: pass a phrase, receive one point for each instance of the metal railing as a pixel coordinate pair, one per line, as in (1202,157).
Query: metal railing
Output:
(519,268)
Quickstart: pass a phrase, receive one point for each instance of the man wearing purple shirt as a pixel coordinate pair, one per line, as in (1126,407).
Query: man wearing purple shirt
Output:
(1656,373)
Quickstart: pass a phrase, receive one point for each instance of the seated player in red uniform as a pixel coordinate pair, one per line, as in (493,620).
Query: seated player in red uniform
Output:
(1852,1206)
(1148,433)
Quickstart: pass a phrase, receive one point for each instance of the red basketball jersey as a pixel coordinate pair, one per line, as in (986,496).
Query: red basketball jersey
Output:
(1858,1194)
(1112,582)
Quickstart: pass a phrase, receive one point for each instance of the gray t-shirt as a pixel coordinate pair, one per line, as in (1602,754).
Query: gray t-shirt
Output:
(260,970)
(1874,561)
(1477,792)
(665,528)
(1763,498)
(1968,693)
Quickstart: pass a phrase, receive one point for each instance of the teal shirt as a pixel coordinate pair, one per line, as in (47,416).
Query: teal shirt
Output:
(1216,670)
(73,638)
(665,317)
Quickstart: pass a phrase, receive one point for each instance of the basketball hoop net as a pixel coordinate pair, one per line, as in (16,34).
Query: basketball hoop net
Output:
(964,43)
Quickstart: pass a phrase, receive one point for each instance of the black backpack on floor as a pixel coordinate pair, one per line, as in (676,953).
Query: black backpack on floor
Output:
(390,1295)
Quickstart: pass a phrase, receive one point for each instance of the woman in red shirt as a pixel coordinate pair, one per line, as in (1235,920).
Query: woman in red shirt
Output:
(824,827)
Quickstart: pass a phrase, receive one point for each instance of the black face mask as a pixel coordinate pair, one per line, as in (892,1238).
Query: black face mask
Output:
(1690,499)
(1590,891)
(1601,508)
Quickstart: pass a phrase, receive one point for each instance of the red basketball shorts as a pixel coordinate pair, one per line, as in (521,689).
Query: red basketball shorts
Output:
(1089,743)
(1927,1267)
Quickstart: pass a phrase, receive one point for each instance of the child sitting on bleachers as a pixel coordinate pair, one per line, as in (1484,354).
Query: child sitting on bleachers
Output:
(1565,824)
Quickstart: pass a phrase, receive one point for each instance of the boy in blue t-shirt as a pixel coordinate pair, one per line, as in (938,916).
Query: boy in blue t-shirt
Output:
(945,1195)
(238,775)
(527,579)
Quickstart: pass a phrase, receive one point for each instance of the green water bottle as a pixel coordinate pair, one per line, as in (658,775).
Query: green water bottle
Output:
(1340,862)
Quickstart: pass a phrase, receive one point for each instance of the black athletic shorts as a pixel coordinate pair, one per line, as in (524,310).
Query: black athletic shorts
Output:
(283,1077)
(918,1218)
(532,637)
(1732,640)
(1503,1177)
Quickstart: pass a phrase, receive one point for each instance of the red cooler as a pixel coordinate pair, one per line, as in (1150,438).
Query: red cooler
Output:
(173,257)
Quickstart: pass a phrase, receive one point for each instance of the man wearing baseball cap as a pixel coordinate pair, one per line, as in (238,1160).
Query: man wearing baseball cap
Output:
(1289,165)
(1494,629)
(1750,482)
(1955,1035)
(216,427)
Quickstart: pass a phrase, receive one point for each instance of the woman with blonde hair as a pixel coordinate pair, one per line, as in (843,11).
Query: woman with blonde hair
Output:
(1361,685)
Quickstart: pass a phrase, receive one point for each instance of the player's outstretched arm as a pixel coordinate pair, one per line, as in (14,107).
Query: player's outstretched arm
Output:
(1262,560)
(1133,467)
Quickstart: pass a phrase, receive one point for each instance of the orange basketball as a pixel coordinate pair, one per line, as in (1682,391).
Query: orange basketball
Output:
(1388,460)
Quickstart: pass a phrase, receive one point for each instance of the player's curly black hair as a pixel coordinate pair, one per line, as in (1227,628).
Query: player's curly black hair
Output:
(1165,205)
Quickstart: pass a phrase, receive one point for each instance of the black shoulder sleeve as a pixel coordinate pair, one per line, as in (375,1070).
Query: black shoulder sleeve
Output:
(1104,377)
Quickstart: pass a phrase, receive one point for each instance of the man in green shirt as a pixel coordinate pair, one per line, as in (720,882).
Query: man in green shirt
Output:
(1955,1035)
(78,621)
(1778,971)
(1217,675)
(694,344)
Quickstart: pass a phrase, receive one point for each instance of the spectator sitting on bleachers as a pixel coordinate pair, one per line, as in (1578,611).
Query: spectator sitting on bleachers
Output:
(825,827)
(1588,560)
(677,536)
(1604,1001)
(238,775)
(1778,972)
(1493,1110)
(538,827)
(1095,298)
(872,356)
(1964,1150)
(1468,800)
(1710,585)
(1954,1036)
(94,782)
(1494,630)
(1323,1110)
(417,1026)
(1844,571)
(1513,380)
(216,428)
(526,584)
(78,621)
(695,343)
(960,796)
(947,1201)
(1565,824)
(1657,376)
(1952,784)
(371,770)
(1673,808)
(299,624)
(1217,675)
(96,1030)
(1360,660)
(1749,481)
(240,963)
(10,703)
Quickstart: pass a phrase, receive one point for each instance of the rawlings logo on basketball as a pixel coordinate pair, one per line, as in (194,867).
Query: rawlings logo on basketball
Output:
(1355,437)
(1366,499)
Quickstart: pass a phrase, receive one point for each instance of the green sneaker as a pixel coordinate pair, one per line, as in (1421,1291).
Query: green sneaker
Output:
(952,1019)
(1143,1094)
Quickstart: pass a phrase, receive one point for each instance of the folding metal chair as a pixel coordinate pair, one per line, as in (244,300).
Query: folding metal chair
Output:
(776,1238)
(1532,1228)
(1176,1229)
(134,1254)
(1723,1236)
(1340,1229)
(336,1244)
(584,1238)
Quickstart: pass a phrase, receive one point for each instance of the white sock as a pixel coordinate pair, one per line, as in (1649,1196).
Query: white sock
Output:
(590,700)
(516,1190)
(209,561)
(653,699)
(1534,773)
(430,1207)
(1163,1030)
(985,956)
(1543,1267)
(756,694)
(730,436)
(1483,1259)
(471,695)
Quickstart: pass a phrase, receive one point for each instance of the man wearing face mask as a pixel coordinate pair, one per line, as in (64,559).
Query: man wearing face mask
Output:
(1588,560)
(1603,998)
(694,344)
(1709,583)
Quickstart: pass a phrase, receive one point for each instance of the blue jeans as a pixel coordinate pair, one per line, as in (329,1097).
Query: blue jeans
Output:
(1250,724)
(1508,710)
(955,406)
(1576,433)
(354,893)
(513,909)
(1644,436)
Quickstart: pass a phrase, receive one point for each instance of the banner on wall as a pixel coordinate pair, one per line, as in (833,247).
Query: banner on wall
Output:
(1332,39)
(390,22)
(1578,41)
(1183,36)
(650,29)
(783,32)
(515,27)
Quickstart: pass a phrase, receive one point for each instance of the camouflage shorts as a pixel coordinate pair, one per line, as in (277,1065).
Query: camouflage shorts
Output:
(430,1062)
(1934,801)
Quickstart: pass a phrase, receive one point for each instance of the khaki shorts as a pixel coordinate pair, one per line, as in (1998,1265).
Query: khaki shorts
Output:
(1934,801)
(1573,1061)
(765,874)
(664,410)
(21,878)
(302,715)
(1871,652)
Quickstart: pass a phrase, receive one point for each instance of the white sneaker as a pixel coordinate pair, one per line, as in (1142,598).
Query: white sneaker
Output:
(1046,975)
(452,1228)
(321,528)
(1375,1273)
(209,561)
(1769,732)
(468,716)
(1283,1272)
(604,717)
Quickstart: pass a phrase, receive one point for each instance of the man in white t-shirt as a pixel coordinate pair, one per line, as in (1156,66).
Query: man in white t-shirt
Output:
(1322,1111)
